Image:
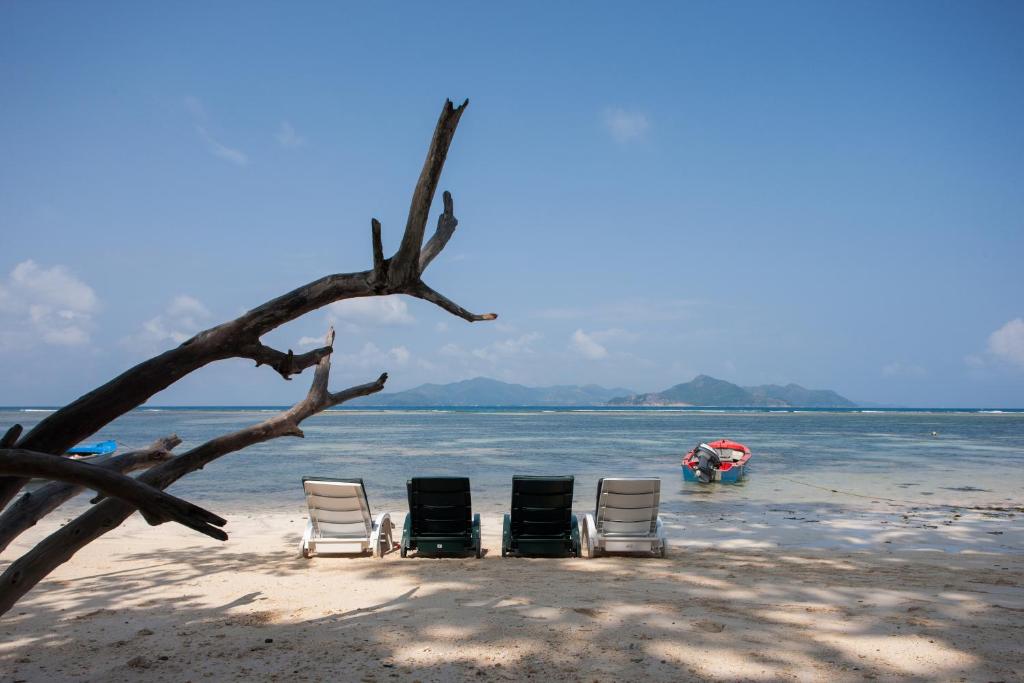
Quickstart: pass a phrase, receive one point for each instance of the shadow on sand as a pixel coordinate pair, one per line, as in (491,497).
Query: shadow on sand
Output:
(701,614)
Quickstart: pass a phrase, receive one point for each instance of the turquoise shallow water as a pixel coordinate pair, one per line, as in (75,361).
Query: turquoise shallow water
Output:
(813,458)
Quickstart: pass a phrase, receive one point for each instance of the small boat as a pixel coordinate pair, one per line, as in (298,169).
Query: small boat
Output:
(87,450)
(721,460)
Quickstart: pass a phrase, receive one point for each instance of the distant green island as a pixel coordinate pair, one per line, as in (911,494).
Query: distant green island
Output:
(701,391)
(708,391)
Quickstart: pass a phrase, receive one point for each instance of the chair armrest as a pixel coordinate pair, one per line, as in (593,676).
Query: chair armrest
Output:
(406,535)
(381,525)
(574,535)
(590,534)
(506,534)
(477,540)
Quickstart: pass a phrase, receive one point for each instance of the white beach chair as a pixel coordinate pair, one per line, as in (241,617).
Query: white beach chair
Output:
(625,519)
(340,519)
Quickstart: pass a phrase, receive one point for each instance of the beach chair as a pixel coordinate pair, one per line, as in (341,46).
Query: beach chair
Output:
(340,520)
(440,519)
(625,519)
(541,520)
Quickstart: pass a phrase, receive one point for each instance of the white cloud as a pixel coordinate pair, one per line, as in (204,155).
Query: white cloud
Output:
(587,346)
(310,342)
(452,350)
(1007,343)
(514,346)
(614,334)
(908,370)
(372,310)
(219,149)
(187,310)
(46,304)
(179,322)
(626,126)
(200,120)
(400,354)
(495,352)
(373,356)
(288,137)
(593,345)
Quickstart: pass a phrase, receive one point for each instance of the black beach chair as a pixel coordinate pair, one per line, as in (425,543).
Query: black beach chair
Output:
(541,521)
(440,519)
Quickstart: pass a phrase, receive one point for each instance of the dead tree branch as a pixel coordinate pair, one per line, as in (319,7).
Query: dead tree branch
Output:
(156,506)
(10,437)
(405,266)
(31,507)
(61,545)
(446,224)
(240,338)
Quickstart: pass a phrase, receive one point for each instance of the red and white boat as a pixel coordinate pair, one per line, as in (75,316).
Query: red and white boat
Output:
(721,460)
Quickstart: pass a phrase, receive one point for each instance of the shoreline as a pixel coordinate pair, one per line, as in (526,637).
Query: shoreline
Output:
(162,603)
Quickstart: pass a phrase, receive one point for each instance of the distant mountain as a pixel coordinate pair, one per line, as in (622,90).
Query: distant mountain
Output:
(796,395)
(708,391)
(482,391)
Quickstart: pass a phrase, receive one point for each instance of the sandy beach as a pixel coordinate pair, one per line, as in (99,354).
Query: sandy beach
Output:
(162,604)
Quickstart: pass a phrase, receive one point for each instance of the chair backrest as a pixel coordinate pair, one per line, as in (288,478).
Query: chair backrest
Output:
(338,508)
(541,506)
(627,507)
(440,506)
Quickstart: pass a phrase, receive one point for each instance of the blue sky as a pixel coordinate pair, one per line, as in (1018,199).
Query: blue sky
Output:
(823,193)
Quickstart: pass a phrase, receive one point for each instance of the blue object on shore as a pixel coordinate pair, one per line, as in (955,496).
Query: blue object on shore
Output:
(98,448)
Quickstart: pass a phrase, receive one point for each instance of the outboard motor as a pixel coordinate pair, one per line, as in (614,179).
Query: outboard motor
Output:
(707,462)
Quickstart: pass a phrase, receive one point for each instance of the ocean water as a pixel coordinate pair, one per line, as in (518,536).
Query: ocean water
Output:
(802,459)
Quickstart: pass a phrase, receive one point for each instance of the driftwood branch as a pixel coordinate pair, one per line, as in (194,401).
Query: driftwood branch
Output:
(405,266)
(446,224)
(239,338)
(286,364)
(156,506)
(33,506)
(10,437)
(61,545)
(25,512)
(380,271)
(422,291)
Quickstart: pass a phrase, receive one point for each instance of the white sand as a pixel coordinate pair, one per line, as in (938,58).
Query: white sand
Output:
(164,603)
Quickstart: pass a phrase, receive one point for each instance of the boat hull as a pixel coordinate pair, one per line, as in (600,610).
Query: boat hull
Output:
(732,475)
